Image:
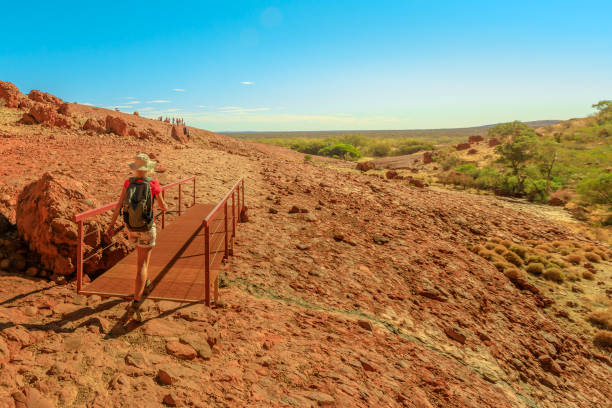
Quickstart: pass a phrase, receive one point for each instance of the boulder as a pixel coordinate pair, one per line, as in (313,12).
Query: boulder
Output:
(462,146)
(393,175)
(44,114)
(427,157)
(44,214)
(10,94)
(475,139)
(179,134)
(365,166)
(472,151)
(116,125)
(45,98)
(494,142)
(95,125)
(65,109)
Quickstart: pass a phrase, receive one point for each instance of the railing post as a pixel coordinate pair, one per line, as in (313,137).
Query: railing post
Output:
(242,193)
(238,194)
(194,190)
(225,231)
(163,212)
(207,264)
(233,215)
(79,259)
(179,203)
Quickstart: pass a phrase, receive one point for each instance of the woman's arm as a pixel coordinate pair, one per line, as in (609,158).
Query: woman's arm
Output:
(162,203)
(109,229)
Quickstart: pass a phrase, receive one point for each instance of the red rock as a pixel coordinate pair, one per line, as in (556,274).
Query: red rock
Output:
(116,125)
(44,212)
(322,399)
(63,122)
(96,125)
(45,98)
(472,151)
(31,398)
(179,134)
(133,132)
(392,175)
(494,142)
(462,146)
(475,139)
(427,157)
(65,109)
(455,335)
(28,119)
(136,114)
(4,352)
(170,399)
(365,166)
(10,94)
(44,114)
(180,350)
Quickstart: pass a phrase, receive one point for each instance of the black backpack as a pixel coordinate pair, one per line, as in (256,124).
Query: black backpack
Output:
(138,205)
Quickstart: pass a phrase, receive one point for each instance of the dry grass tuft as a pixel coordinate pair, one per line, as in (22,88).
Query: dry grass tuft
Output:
(490,246)
(519,250)
(601,318)
(488,255)
(506,243)
(573,276)
(501,266)
(535,268)
(592,257)
(574,259)
(513,258)
(588,275)
(544,247)
(554,274)
(500,249)
(603,339)
(513,274)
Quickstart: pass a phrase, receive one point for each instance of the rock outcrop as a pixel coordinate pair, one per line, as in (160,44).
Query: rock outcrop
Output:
(462,146)
(94,125)
(116,125)
(475,139)
(45,210)
(365,166)
(494,142)
(178,133)
(427,157)
(45,98)
(10,94)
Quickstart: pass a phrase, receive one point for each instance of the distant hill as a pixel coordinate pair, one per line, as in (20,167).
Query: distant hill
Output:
(439,135)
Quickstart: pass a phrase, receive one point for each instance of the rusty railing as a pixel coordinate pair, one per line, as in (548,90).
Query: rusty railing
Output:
(81,217)
(219,238)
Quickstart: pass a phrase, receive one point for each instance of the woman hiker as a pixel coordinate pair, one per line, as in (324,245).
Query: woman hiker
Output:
(136,202)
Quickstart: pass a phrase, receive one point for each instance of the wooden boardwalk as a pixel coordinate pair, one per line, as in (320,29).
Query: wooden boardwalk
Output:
(177,266)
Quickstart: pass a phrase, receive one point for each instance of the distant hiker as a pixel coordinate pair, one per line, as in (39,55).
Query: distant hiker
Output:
(136,203)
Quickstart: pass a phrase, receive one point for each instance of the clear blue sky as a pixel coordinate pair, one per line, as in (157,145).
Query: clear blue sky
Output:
(311,65)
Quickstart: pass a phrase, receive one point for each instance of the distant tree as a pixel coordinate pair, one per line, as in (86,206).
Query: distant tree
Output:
(380,149)
(517,151)
(546,157)
(597,189)
(604,111)
(506,130)
(340,150)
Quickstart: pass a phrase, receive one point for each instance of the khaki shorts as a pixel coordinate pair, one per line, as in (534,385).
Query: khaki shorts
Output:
(144,239)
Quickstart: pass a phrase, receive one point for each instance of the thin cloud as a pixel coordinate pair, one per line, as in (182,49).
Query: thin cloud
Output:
(159,101)
(147,109)
(247,83)
(87,104)
(172,110)
(133,102)
(178,90)
(129,97)
(202,106)
(119,107)
(238,109)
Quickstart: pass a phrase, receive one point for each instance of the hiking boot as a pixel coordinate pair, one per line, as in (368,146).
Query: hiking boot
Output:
(134,312)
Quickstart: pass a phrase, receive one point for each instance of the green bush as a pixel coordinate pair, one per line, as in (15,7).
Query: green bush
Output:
(340,151)
(597,189)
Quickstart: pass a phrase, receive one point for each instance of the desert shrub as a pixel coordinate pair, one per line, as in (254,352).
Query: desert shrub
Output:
(532,243)
(412,146)
(557,244)
(573,275)
(592,257)
(506,243)
(565,251)
(519,250)
(380,149)
(535,268)
(603,339)
(488,255)
(450,162)
(559,263)
(588,275)
(554,274)
(500,249)
(601,318)
(513,258)
(490,245)
(340,150)
(574,259)
(513,274)
(495,240)
(544,247)
(601,254)
(307,158)
(597,189)
(537,259)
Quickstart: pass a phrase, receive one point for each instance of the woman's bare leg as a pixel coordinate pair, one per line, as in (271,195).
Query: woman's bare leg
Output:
(144,255)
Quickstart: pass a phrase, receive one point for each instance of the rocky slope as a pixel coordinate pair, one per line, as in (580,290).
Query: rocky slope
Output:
(364,294)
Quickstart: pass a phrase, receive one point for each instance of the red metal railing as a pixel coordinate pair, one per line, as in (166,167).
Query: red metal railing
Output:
(80,218)
(217,234)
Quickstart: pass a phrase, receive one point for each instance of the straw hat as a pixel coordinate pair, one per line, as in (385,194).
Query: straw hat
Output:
(142,163)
